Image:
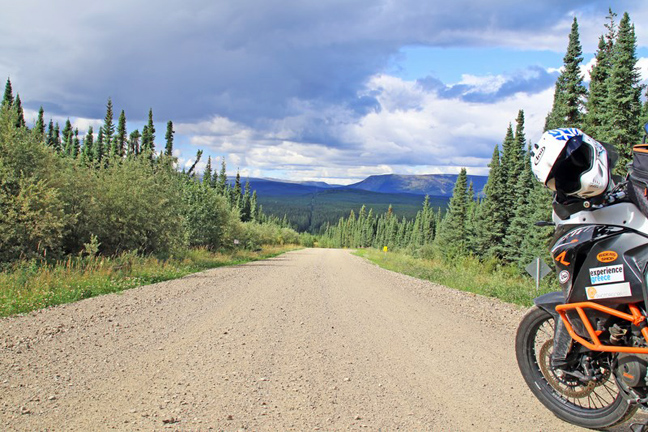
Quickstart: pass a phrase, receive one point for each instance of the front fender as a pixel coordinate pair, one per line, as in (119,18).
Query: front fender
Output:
(549,302)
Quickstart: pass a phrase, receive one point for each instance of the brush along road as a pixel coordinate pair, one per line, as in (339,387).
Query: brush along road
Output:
(313,339)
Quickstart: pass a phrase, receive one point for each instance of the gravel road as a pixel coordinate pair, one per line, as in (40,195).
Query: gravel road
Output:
(316,339)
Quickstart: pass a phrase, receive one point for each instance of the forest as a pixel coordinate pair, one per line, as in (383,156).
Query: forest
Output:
(62,195)
(501,225)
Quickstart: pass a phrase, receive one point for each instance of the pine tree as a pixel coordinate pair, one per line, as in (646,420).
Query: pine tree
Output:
(569,94)
(207,174)
(221,187)
(624,95)
(39,127)
(134,143)
(50,135)
(453,236)
(20,114)
(490,217)
(67,138)
(87,154)
(57,138)
(98,149)
(119,142)
(246,204)
(108,126)
(7,99)
(148,136)
(168,150)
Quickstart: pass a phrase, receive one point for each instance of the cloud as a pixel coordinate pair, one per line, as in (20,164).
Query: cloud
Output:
(492,88)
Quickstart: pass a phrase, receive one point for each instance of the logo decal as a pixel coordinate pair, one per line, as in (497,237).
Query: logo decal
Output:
(607,256)
(564,134)
(609,291)
(561,258)
(601,275)
(538,157)
(564,276)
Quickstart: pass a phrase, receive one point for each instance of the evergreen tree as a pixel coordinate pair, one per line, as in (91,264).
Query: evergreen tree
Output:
(221,187)
(207,175)
(246,204)
(50,135)
(594,121)
(8,99)
(237,192)
(169,139)
(98,149)
(67,138)
(87,154)
(148,136)
(108,126)
(134,142)
(624,94)
(569,95)
(76,144)
(453,236)
(119,142)
(39,127)
(57,138)
(20,114)
(490,217)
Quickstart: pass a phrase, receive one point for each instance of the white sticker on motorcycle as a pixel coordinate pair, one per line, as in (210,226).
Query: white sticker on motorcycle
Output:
(601,275)
(608,291)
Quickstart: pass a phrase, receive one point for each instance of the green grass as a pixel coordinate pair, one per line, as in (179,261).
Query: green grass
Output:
(29,286)
(465,274)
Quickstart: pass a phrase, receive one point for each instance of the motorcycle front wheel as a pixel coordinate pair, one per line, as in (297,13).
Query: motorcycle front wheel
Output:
(596,404)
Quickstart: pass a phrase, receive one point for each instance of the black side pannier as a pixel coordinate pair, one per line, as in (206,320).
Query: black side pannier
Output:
(638,184)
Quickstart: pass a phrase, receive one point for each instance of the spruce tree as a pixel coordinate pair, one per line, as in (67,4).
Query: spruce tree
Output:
(98,149)
(20,114)
(168,150)
(39,127)
(67,138)
(594,120)
(8,99)
(108,126)
(134,142)
(50,134)
(246,204)
(452,236)
(207,174)
(76,144)
(57,138)
(87,154)
(624,95)
(490,217)
(119,142)
(221,187)
(570,93)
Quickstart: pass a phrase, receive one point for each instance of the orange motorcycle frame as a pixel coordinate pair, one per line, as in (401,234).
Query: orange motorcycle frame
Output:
(637,318)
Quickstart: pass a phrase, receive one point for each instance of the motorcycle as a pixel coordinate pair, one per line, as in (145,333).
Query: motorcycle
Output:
(598,324)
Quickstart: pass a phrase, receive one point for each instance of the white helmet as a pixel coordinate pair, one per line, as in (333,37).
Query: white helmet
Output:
(570,162)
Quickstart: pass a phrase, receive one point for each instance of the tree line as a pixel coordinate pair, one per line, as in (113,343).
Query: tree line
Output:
(500,225)
(65,194)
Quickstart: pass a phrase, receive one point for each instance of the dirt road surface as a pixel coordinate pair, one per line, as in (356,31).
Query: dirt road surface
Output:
(315,339)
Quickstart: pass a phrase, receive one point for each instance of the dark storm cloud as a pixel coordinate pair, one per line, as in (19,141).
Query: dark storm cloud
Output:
(246,60)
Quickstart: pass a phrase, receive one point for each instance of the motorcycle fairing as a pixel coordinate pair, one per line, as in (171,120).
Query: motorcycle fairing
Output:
(596,263)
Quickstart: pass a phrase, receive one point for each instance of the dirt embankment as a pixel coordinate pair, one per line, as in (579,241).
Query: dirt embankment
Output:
(313,340)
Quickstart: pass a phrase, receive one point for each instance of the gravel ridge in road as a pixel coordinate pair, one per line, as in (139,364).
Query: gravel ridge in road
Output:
(316,339)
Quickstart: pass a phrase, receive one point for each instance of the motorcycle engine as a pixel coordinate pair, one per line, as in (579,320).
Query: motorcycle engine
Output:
(632,369)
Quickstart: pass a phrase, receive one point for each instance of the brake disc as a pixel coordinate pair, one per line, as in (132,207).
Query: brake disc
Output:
(567,386)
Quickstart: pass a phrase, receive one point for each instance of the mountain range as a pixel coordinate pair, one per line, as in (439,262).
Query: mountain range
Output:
(434,185)
(311,205)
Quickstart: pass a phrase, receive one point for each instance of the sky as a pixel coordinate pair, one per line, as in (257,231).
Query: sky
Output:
(327,90)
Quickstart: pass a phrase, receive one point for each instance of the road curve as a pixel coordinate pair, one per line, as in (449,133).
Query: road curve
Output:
(316,339)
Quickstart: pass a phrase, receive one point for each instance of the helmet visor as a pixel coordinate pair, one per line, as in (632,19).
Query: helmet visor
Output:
(574,160)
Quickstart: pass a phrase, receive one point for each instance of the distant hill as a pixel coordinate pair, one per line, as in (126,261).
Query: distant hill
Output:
(309,205)
(311,211)
(426,184)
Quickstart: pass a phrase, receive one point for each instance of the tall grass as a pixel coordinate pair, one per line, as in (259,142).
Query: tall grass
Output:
(466,274)
(28,286)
